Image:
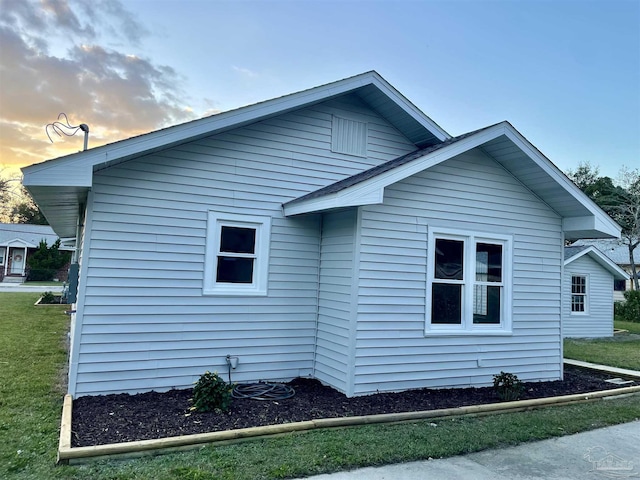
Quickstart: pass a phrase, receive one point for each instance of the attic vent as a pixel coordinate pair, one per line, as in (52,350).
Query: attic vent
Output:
(349,136)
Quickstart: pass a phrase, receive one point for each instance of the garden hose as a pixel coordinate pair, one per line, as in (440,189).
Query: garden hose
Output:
(263,391)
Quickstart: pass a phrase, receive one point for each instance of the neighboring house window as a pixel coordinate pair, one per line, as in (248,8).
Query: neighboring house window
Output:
(468,282)
(578,294)
(237,256)
(2,252)
(349,136)
(619,285)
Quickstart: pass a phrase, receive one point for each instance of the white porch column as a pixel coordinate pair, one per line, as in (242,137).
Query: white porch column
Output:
(24,262)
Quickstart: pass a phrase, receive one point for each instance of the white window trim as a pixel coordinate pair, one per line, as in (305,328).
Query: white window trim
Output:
(215,222)
(467,327)
(586,293)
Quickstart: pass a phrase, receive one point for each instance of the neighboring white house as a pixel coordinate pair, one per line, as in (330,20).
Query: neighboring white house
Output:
(588,292)
(337,233)
(17,242)
(618,253)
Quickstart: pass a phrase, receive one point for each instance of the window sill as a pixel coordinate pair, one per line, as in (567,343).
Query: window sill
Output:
(468,333)
(234,292)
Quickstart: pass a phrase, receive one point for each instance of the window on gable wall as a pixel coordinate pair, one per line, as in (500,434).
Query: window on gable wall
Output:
(619,285)
(468,282)
(578,294)
(237,255)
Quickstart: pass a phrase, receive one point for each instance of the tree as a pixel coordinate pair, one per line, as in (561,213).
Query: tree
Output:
(5,196)
(621,202)
(4,190)
(16,204)
(627,214)
(25,210)
(46,261)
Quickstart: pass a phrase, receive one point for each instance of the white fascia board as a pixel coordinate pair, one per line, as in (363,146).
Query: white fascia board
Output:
(577,224)
(603,222)
(78,168)
(352,198)
(601,259)
(68,174)
(371,191)
(18,241)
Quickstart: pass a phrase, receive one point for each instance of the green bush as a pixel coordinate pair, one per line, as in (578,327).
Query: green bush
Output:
(49,298)
(46,261)
(211,393)
(629,310)
(507,386)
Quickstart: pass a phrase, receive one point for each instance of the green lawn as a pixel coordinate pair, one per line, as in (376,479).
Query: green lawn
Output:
(32,353)
(632,327)
(621,350)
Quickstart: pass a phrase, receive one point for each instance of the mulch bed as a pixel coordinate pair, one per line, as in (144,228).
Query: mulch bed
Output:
(99,420)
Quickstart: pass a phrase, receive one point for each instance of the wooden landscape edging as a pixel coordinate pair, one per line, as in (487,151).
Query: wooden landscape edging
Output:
(68,454)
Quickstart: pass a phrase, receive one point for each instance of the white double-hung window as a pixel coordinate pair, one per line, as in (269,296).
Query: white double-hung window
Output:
(579,299)
(237,255)
(468,283)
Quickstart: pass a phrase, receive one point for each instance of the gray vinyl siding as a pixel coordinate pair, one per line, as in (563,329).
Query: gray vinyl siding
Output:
(336,302)
(598,320)
(144,323)
(469,192)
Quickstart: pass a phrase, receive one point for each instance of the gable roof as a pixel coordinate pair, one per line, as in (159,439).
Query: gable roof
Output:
(374,171)
(572,253)
(613,249)
(59,186)
(26,234)
(581,217)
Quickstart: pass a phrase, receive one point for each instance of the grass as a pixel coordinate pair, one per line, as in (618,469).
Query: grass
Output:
(32,353)
(632,327)
(621,350)
(44,284)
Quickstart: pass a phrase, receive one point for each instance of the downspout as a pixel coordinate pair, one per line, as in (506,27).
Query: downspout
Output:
(562,306)
(78,316)
(315,330)
(353,316)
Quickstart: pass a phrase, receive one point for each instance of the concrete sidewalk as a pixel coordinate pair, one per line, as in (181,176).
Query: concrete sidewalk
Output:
(21,287)
(612,452)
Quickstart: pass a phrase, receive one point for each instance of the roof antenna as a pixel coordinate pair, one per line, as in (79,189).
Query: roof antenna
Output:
(68,129)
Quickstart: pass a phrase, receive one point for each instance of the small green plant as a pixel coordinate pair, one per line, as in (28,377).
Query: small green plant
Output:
(507,386)
(48,298)
(211,393)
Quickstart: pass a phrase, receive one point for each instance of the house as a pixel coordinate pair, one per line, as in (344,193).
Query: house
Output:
(17,242)
(617,252)
(587,292)
(337,233)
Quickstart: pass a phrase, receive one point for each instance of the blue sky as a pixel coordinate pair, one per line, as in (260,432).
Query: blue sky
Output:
(566,74)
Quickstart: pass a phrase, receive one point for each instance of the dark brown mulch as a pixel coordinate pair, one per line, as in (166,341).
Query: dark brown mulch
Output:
(106,419)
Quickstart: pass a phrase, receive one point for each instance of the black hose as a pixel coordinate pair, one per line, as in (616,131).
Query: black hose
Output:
(263,391)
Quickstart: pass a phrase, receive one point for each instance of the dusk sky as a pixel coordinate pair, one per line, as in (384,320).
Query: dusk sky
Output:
(566,73)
